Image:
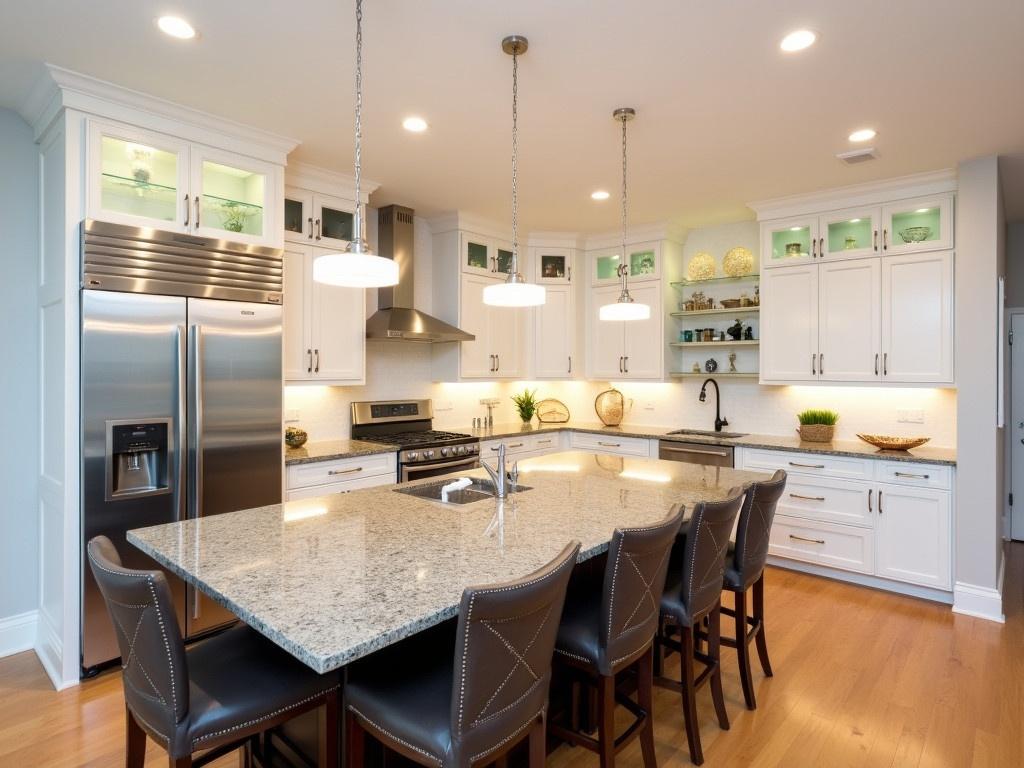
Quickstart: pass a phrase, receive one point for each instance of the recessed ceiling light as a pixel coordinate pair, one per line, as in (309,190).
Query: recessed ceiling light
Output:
(797,41)
(600,195)
(175,26)
(415,124)
(863,134)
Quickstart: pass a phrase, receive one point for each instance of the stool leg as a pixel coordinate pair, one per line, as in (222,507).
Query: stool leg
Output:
(606,720)
(715,652)
(179,762)
(329,748)
(758,612)
(356,738)
(689,695)
(743,649)
(538,743)
(134,742)
(645,698)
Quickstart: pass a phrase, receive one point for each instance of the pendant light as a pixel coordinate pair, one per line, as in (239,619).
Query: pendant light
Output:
(358,266)
(625,307)
(515,291)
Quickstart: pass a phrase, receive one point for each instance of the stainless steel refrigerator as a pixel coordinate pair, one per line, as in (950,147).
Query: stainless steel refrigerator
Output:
(180,398)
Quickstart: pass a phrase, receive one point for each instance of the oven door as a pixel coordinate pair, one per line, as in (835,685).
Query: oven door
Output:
(433,469)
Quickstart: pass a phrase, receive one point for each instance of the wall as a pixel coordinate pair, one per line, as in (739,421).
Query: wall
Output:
(1015,264)
(19,385)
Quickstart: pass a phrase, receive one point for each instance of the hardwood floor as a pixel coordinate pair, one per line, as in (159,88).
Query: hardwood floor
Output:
(862,678)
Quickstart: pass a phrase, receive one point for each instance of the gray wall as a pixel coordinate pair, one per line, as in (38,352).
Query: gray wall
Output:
(1015,264)
(19,381)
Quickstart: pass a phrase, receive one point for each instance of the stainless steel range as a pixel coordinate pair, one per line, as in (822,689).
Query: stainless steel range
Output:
(424,451)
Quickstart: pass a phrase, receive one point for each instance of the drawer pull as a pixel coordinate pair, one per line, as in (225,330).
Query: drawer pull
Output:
(807,466)
(911,474)
(879,502)
(807,498)
(510,445)
(871,492)
(809,541)
(723,454)
(344,471)
(609,445)
(543,442)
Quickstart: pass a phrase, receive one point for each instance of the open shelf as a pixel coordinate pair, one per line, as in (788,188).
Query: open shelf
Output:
(704,312)
(684,283)
(695,344)
(716,374)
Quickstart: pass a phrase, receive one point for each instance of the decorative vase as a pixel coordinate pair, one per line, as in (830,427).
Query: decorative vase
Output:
(816,433)
(610,406)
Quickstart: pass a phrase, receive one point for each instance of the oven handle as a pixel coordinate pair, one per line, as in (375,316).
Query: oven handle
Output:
(470,462)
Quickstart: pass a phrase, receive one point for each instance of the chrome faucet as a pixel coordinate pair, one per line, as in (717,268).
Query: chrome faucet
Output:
(498,475)
(719,421)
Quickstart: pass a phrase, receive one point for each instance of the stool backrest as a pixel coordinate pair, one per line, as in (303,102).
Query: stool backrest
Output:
(503,649)
(755,527)
(707,543)
(634,579)
(153,664)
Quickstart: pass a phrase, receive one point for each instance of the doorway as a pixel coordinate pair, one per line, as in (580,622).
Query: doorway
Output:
(1016,423)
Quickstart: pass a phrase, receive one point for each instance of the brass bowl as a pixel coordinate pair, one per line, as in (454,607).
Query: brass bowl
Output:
(295,437)
(889,443)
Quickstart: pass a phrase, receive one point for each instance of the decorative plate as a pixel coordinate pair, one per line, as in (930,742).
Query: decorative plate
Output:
(738,262)
(552,412)
(701,267)
(889,443)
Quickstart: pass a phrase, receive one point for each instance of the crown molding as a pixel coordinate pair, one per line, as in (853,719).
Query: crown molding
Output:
(328,182)
(671,230)
(467,222)
(555,240)
(868,193)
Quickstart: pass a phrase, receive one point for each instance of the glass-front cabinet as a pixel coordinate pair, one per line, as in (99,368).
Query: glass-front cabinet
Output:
(486,255)
(298,215)
(850,234)
(313,218)
(554,265)
(230,195)
(643,260)
(918,224)
(789,241)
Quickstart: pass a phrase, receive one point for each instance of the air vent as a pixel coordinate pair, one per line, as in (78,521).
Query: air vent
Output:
(857,155)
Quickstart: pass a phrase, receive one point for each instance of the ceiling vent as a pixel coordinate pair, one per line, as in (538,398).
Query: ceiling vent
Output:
(855,156)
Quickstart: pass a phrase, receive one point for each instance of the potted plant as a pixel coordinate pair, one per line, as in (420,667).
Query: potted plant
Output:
(526,404)
(816,425)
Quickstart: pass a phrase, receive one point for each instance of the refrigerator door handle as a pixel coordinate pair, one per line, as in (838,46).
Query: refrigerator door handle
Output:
(196,447)
(180,431)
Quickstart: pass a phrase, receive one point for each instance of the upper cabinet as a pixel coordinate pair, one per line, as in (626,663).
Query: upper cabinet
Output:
(147,179)
(626,350)
(486,255)
(918,224)
(317,219)
(553,265)
(788,242)
(643,260)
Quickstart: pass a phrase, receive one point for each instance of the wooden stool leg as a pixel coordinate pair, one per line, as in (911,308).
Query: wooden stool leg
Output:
(330,750)
(356,738)
(645,698)
(743,649)
(689,695)
(180,762)
(715,652)
(606,720)
(758,612)
(538,743)
(134,742)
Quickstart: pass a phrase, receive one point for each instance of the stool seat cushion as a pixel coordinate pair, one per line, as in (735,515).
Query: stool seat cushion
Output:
(580,625)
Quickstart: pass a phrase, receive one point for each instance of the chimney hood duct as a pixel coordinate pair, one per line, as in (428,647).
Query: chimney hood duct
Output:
(395,319)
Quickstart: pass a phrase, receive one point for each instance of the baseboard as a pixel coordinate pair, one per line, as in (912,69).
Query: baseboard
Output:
(863,580)
(18,633)
(981,602)
(48,650)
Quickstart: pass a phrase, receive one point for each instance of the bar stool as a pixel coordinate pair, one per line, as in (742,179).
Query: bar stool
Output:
(211,699)
(609,628)
(693,591)
(745,572)
(439,708)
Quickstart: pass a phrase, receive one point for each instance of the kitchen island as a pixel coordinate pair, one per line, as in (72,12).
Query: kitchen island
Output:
(334,578)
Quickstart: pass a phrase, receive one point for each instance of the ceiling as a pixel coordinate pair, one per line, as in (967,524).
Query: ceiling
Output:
(723,116)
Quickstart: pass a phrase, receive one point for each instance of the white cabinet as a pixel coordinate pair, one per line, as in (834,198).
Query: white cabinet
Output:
(913,535)
(234,197)
(613,444)
(634,349)
(643,260)
(849,234)
(324,326)
(917,318)
(554,324)
(552,265)
(849,320)
(787,242)
(917,224)
(317,219)
(322,478)
(789,324)
(496,352)
(486,255)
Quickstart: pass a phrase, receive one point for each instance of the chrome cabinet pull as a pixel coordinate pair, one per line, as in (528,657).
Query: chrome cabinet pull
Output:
(497,363)
(625,364)
(871,492)
(197,211)
(874,240)
(316,368)
(814,248)
(911,474)
(809,541)
(814,365)
(344,471)
(187,210)
(821,248)
(807,498)
(876,363)
(807,466)
(543,442)
(310,227)
(568,274)
(885,239)
(620,365)
(879,502)
(309,367)
(723,454)
(885,364)
(514,445)
(318,230)
(609,445)
(821,364)
(570,363)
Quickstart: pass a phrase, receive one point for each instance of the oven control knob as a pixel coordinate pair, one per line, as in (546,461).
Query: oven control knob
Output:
(446,451)
(411,456)
(428,454)
(460,450)
(474,448)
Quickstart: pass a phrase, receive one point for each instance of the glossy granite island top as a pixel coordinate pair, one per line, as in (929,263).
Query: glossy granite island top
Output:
(856,448)
(334,578)
(329,450)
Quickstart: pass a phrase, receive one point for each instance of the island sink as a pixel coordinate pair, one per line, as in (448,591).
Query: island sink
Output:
(477,490)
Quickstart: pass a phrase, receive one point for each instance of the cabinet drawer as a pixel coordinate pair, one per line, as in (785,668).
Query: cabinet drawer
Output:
(343,487)
(904,473)
(323,472)
(827,500)
(758,459)
(513,445)
(548,443)
(836,546)
(624,446)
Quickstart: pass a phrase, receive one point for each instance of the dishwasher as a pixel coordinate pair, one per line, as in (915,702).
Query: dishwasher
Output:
(696,453)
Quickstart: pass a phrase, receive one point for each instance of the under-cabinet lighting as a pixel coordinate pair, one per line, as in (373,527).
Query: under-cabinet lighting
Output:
(795,229)
(798,40)
(855,221)
(863,134)
(922,210)
(175,26)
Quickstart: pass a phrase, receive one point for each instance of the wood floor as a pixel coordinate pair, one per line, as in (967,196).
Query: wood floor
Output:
(863,678)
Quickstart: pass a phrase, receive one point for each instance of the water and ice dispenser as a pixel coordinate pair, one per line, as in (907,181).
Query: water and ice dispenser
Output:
(137,458)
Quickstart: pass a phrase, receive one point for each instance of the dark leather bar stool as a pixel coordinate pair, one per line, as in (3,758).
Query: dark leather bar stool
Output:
(471,706)
(609,628)
(693,591)
(211,699)
(744,573)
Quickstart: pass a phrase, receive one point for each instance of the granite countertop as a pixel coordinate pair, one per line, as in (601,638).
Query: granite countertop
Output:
(855,448)
(334,449)
(334,578)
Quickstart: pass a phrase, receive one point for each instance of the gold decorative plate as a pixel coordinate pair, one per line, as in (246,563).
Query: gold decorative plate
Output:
(738,262)
(889,443)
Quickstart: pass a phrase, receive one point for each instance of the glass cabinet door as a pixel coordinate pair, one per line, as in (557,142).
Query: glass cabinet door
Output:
(137,178)
(919,224)
(606,265)
(789,242)
(644,261)
(476,254)
(298,215)
(231,200)
(503,258)
(850,234)
(554,265)
(334,221)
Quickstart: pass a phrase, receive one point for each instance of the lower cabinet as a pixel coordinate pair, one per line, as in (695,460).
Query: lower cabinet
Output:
(835,546)
(619,446)
(913,535)
(524,446)
(322,478)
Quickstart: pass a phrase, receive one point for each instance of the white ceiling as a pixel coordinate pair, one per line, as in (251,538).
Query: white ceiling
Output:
(723,116)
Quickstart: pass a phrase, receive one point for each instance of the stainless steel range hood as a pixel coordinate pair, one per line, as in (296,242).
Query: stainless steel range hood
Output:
(396,320)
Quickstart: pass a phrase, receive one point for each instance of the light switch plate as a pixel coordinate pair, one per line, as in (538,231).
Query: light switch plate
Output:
(910,416)
(291,415)
(649,405)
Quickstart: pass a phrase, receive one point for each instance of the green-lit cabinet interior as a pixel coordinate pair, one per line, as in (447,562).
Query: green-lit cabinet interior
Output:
(487,255)
(643,260)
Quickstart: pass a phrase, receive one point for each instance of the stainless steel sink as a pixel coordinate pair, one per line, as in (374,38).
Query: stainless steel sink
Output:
(709,433)
(478,490)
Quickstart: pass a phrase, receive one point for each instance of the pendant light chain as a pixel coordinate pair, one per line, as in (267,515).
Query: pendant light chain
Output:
(515,156)
(358,235)
(624,266)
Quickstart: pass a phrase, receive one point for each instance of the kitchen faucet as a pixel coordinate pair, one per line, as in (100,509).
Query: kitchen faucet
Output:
(500,476)
(719,421)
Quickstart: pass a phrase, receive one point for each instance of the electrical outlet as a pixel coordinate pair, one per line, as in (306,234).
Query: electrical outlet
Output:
(910,416)
(291,415)
(649,405)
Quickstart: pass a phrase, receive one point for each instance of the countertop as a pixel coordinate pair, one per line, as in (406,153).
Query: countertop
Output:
(334,578)
(334,449)
(855,448)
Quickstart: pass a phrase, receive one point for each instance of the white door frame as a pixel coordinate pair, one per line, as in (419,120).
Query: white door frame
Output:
(1013,418)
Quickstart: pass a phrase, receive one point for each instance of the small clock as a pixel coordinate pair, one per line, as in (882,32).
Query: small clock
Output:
(711,365)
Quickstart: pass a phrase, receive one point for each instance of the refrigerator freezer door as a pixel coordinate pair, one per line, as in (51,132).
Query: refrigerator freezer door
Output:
(133,368)
(235,443)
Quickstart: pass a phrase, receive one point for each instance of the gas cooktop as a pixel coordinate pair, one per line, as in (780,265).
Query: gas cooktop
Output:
(424,438)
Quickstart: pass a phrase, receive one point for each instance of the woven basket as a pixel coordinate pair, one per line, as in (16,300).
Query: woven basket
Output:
(817,433)
(889,443)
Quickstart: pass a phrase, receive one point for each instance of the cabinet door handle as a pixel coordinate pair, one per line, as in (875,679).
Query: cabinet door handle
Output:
(570,363)
(814,365)
(497,363)
(310,227)
(809,541)
(625,364)
(620,365)
(807,466)
(318,230)
(609,445)
(316,368)
(885,364)
(197,211)
(885,239)
(871,492)
(879,502)
(568,274)
(807,498)
(515,445)
(543,442)
(344,471)
(911,474)
(187,210)
(821,364)
(309,354)
(874,240)
(876,363)
(821,248)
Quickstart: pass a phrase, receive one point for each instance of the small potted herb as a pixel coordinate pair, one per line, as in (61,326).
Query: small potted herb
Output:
(526,404)
(816,425)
